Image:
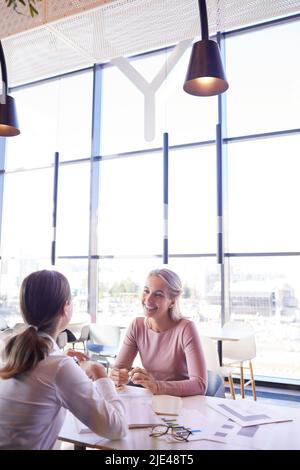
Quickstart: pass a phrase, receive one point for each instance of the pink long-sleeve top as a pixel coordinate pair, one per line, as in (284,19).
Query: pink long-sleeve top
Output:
(174,357)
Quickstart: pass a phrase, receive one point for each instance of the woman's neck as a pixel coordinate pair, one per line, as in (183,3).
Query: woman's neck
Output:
(160,325)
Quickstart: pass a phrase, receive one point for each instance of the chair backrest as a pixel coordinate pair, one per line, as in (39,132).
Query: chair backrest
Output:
(243,349)
(210,351)
(62,339)
(106,335)
(85,332)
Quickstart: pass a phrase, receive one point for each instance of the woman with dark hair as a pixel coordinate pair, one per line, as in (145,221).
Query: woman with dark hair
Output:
(38,382)
(168,343)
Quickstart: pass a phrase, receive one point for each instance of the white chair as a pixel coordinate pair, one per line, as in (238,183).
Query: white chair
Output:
(210,351)
(235,353)
(82,337)
(62,340)
(104,342)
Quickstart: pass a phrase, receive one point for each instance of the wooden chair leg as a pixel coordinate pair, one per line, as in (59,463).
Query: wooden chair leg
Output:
(252,381)
(242,380)
(231,386)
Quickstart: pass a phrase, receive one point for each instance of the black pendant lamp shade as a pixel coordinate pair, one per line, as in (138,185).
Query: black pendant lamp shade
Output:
(9,126)
(205,75)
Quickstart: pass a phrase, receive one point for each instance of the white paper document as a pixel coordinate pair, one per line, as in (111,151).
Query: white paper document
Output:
(201,427)
(138,415)
(248,413)
(216,428)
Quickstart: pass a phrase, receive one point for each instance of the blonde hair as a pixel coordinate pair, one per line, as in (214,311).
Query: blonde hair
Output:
(43,294)
(173,283)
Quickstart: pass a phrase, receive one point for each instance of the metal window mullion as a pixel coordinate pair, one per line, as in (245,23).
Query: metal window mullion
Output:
(166,198)
(2,175)
(225,272)
(221,132)
(93,263)
(55,194)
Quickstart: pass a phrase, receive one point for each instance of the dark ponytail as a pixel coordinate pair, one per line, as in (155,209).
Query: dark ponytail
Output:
(43,295)
(23,352)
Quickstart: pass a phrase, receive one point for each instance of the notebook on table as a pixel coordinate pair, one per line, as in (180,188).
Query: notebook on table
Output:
(167,405)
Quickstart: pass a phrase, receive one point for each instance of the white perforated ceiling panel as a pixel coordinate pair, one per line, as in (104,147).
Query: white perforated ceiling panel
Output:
(71,34)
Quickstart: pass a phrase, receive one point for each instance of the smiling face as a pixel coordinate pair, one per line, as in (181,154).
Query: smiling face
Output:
(156,298)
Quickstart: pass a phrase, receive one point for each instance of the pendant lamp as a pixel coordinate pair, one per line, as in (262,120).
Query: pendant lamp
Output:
(8,115)
(205,75)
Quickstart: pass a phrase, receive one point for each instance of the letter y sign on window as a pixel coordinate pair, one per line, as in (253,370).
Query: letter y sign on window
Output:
(149,89)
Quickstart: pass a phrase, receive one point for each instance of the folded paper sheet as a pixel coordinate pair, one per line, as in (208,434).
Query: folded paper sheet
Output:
(249,413)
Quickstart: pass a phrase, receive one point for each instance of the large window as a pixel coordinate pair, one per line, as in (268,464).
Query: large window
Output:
(192,201)
(264,80)
(26,227)
(73,210)
(54,115)
(13,271)
(121,282)
(265,292)
(201,297)
(111,217)
(263,195)
(130,211)
(76,271)
(263,231)
(176,112)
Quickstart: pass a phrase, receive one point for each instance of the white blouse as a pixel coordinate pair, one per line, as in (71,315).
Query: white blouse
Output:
(33,405)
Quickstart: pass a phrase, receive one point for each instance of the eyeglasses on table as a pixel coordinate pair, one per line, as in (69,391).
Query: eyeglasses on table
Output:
(180,433)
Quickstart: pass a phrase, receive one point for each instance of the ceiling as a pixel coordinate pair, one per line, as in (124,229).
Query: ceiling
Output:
(72,34)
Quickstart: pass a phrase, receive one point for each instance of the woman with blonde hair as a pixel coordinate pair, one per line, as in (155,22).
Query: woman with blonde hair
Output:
(38,382)
(168,344)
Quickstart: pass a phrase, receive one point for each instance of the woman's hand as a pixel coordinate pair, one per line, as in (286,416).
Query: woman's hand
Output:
(119,376)
(78,354)
(142,377)
(93,370)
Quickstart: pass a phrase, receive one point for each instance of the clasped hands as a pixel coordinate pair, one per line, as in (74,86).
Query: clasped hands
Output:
(137,375)
(120,377)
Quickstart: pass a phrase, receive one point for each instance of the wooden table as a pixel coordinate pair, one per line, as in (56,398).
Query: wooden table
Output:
(283,435)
